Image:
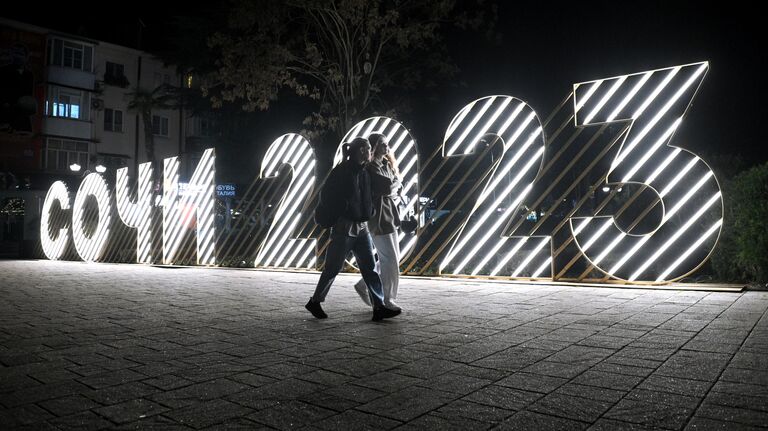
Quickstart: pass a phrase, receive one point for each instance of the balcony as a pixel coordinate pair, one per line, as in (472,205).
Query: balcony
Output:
(67,127)
(71,77)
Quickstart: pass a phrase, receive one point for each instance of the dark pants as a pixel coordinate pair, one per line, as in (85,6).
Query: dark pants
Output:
(338,250)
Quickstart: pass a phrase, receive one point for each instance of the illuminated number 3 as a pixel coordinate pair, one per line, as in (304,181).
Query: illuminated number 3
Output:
(686,188)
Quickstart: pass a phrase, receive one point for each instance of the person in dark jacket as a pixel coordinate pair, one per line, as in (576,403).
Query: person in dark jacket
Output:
(349,188)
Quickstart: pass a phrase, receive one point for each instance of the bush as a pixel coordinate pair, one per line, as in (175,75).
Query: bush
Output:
(742,253)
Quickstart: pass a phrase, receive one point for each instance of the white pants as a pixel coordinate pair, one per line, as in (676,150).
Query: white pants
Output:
(388,267)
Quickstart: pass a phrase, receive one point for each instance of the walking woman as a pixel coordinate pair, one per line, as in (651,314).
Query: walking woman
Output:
(347,195)
(385,185)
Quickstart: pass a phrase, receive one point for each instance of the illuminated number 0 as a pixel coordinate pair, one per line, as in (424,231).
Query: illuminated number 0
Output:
(403,146)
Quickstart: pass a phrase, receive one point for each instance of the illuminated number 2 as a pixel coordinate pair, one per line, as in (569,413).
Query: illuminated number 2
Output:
(282,248)
(685,187)
(481,247)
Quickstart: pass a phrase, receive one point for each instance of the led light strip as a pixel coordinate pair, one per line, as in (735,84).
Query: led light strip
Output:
(54,246)
(197,202)
(90,249)
(645,158)
(481,238)
(281,246)
(137,214)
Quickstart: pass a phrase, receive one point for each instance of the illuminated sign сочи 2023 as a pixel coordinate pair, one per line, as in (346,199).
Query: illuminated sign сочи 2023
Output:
(658,221)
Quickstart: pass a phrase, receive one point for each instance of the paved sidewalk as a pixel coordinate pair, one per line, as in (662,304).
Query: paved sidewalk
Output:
(102,346)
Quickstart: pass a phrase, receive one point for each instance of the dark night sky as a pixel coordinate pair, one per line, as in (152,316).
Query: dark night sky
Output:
(545,48)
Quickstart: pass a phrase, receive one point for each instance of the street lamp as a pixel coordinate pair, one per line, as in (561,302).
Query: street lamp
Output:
(74,167)
(101,169)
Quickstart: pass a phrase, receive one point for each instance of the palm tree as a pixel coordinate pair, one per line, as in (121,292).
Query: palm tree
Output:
(143,102)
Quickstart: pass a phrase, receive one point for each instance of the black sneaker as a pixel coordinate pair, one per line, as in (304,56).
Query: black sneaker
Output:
(316,309)
(383,313)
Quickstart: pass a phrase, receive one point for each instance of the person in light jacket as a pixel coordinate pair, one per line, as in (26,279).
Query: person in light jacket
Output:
(383,226)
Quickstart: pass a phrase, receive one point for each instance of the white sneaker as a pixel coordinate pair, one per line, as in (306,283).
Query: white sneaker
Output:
(392,306)
(362,290)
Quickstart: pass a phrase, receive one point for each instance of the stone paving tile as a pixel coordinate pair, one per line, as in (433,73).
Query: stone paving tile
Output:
(354,420)
(556,369)
(111,378)
(618,358)
(243,424)
(581,355)
(25,415)
(605,424)
(208,413)
(734,416)
(355,393)
(129,411)
(608,380)
(759,403)
(480,372)
(740,375)
(611,367)
(570,407)
(503,397)
(195,348)
(198,392)
(42,393)
(322,377)
(694,365)
(536,421)
(462,409)
(120,393)
(408,404)
(532,382)
(740,388)
(660,383)
(456,383)
(50,376)
(387,381)
(81,421)
(332,401)
(291,415)
(434,422)
(605,341)
(514,358)
(286,389)
(658,409)
(69,405)
(706,424)
(426,368)
(591,392)
(167,382)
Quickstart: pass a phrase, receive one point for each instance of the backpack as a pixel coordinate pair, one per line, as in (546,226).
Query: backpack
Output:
(328,209)
(325,213)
